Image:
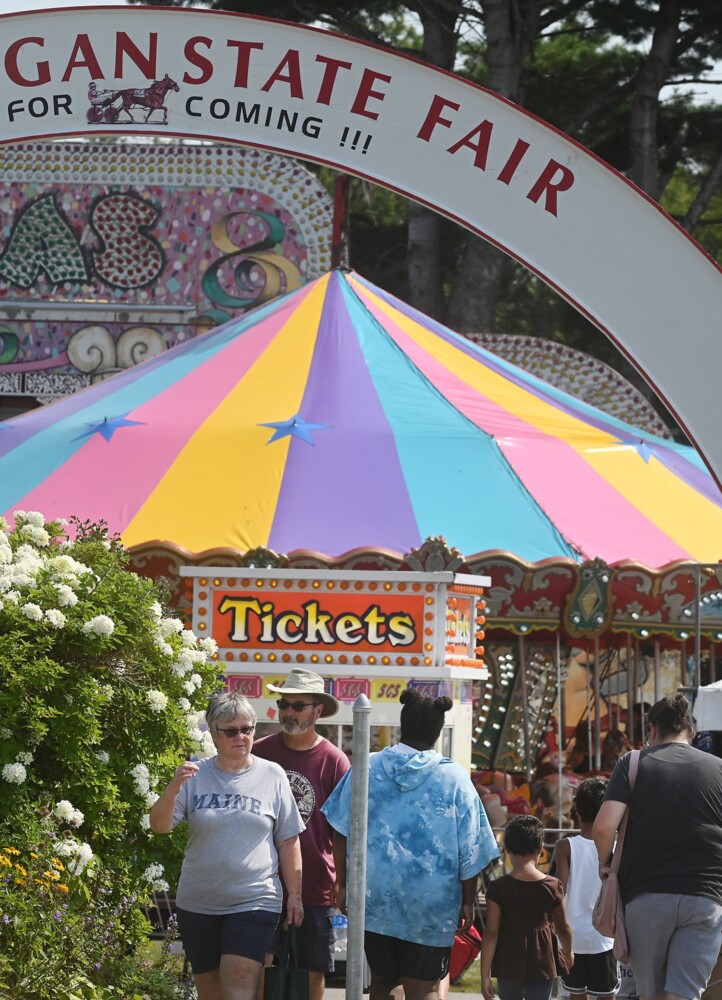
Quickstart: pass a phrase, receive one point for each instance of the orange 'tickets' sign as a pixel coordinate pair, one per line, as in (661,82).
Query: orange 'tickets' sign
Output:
(319,622)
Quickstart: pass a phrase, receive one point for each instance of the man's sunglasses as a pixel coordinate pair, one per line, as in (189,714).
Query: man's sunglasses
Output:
(234,731)
(296,706)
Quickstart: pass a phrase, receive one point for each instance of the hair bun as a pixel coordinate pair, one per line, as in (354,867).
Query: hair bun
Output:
(443,704)
(409,695)
(682,703)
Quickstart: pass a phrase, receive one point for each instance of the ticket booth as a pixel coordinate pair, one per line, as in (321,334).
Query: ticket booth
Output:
(364,632)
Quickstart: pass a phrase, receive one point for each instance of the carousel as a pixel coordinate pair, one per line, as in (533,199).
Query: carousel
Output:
(336,428)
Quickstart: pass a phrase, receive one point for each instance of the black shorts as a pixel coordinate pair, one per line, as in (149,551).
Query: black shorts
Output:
(207,936)
(315,939)
(597,975)
(392,959)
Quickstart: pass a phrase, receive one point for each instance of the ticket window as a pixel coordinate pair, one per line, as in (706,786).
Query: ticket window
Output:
(342,736)
(380,737)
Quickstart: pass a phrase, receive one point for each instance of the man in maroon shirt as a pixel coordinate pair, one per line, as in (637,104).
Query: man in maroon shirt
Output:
(314,767)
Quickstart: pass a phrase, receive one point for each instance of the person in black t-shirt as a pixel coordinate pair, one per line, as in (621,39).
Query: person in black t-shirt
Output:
(671,869)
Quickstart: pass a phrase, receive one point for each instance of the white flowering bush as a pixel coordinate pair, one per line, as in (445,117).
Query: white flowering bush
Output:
(101,697)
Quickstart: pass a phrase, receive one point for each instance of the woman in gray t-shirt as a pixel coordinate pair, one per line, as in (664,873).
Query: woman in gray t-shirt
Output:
(243,827)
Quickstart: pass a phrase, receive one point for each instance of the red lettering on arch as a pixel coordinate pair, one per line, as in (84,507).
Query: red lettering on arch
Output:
(196,59)
(481,148)
(551,187)
(13,70)
(125,46)
(244,56)
(365,92)
(517,155)
(434,117)
(89,61)
(329,77)
(291,63)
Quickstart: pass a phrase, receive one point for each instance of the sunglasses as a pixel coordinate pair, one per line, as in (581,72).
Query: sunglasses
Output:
(296,706)
(234,731)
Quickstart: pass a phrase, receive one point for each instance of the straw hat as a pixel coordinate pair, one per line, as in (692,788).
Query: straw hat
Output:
(306,682)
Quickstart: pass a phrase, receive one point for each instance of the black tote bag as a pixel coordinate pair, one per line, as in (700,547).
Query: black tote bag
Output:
(286,981)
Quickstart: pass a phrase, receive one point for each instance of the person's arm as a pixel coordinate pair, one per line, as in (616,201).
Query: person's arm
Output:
(289,861)
(468,902)
(560,862)
(339,861)
(488,946)
(338,889)
(161,814)
(564,933)
(610,815)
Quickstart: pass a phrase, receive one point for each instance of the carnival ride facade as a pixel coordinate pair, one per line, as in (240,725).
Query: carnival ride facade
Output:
(336,426)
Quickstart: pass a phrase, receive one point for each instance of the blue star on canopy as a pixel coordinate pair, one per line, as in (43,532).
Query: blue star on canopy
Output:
(296,427)
(643,449)
(109,425)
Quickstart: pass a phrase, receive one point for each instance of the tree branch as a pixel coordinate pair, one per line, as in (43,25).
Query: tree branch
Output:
(599,104)
(708,188)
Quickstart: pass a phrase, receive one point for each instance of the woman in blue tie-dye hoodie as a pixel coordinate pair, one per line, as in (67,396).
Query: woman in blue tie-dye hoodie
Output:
(428,839)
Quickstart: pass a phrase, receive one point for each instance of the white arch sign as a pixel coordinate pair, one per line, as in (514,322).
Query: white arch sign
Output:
(449,144)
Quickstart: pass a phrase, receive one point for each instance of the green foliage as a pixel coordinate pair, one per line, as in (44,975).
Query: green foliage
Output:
(68,931)
(532,309)
(703,128)
(346,15)
(377,235)
(582,84)
(99,703)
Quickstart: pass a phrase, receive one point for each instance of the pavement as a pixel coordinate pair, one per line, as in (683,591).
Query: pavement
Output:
(338,993)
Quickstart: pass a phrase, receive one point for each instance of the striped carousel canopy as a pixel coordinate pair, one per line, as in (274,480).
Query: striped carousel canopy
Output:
(338,417)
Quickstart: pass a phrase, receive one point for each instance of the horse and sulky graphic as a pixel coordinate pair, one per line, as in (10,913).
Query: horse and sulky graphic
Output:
(136,104)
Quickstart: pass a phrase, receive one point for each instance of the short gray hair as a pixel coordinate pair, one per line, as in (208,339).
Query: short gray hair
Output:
(229,705)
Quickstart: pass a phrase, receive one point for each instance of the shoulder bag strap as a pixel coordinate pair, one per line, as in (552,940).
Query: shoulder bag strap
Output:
(617,857)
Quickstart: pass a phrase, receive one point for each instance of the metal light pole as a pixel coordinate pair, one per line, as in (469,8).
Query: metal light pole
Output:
(356,884)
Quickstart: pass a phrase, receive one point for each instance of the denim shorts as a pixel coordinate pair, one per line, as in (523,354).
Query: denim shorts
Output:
(207,936)
(674,942)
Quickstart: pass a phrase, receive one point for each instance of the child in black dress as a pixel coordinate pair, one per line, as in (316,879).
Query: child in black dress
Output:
(524,917)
